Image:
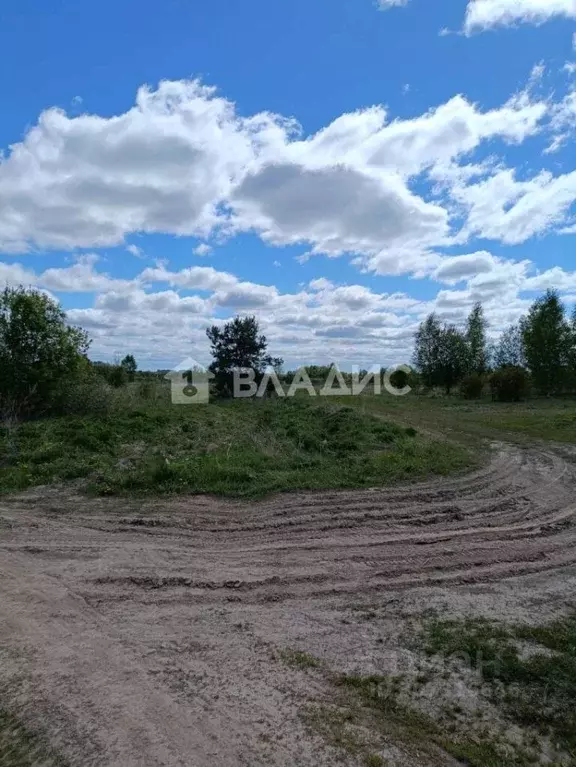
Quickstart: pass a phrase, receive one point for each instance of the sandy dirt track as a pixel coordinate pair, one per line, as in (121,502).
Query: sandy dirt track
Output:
(151,633)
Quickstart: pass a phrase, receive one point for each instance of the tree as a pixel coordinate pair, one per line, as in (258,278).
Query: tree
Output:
(238,345)
(454,357)
(509,351)
(476,337)
(426,350)
(442,354)
(130,366)
(546,337)
(38,350)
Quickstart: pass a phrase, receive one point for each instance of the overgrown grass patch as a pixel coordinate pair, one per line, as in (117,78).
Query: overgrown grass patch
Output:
(546,419)
(382,697)
(530,671)
(20,747)
(236,448)
(299,659)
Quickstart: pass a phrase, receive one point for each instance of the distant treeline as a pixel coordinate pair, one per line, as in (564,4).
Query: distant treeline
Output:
(45,369)
(538,353)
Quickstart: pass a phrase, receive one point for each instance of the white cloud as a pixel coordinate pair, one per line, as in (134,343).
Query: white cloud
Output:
(79,278)
(458,268)
(15,274)
(192,278)
(322,321)
(485,14)
(163,166)
(387,4)
(203,249)
(164,302)
(563,120)
(183,162)
(321,284)
(134,250)
(503,208)
(339,209)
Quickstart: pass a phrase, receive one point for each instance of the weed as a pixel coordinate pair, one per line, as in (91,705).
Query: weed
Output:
(20,747)
(536,688)
(374,760)
(382,695)
(300,659)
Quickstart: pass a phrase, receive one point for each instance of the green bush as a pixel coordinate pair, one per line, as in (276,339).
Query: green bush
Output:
(38,350)
(510,384)
(400,379)
(87,395)
(472,386)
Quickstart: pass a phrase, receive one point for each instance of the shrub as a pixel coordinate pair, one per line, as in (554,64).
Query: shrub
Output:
(115,375)
(88,395)
(38,350)
(400,379)
(510,384)
(472,386)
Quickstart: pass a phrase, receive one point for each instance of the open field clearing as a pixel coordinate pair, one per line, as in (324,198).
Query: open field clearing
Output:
(243,448)
(305,629)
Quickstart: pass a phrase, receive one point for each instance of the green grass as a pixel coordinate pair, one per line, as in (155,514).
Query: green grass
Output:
(239,448)
(545,419)
(299,659)
(535,689)
(20,747)
(381,696)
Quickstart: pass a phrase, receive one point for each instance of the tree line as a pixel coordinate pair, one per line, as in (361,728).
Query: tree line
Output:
(45,369)
(538,352)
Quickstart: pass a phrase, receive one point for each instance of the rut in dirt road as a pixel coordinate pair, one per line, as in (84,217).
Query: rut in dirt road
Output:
(144,632)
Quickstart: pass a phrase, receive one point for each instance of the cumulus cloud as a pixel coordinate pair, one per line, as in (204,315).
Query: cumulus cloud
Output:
(163,166)
(81,277)
(321,322)
(183,162)
(485,14)
(339,209)
(458,268)
(192,278)
(203,249)
(506,209)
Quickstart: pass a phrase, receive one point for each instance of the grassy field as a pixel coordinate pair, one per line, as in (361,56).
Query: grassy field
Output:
(240,448)
(251,448)
(461,420)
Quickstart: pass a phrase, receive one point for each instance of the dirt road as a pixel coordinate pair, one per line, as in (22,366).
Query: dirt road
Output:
(152,633)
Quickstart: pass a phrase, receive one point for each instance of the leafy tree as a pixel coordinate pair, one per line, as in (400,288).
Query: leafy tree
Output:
(509,351)
(427,350)
(442,354)
(38,350)
(476,337)
(546,336)
(454,357)
(238,344)
(130,366)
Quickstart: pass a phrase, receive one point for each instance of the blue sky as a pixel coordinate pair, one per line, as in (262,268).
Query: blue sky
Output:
(340,168)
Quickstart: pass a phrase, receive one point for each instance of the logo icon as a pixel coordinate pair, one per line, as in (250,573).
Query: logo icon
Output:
(190,383)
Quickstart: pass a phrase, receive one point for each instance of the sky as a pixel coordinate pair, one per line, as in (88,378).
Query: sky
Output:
(340,168)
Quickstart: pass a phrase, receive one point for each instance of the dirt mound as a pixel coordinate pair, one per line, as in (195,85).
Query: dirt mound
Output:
(150,633)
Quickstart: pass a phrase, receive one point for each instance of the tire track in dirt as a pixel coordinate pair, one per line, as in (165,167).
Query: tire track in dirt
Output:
(159,594)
